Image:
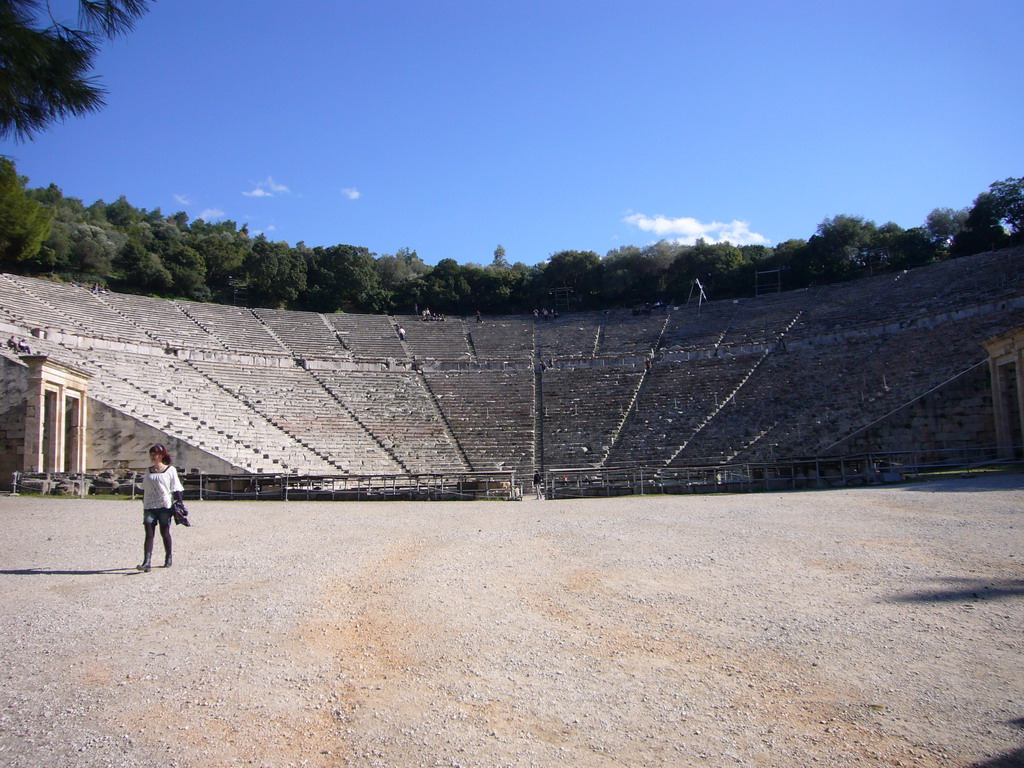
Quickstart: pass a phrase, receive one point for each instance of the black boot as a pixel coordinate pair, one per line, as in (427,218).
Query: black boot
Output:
(167,561)
(144,565)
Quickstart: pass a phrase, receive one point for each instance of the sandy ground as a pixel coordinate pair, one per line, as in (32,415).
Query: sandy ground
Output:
(874,627)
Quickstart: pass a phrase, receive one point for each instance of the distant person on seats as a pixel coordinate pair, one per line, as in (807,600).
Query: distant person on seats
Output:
(160,489)
(401,333)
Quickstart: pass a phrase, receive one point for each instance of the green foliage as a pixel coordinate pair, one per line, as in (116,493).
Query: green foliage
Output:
(139,268)
(983,229)
(943,224)
(276,273)
(1009,204)
(578,270)
(45,63)
(397,272)
(343,277)
(24,223)
(136,250)
(500,262)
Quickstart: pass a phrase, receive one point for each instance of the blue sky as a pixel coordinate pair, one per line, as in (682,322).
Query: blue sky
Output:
(450,127)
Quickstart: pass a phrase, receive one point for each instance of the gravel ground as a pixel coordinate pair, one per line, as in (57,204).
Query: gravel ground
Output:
(870,627)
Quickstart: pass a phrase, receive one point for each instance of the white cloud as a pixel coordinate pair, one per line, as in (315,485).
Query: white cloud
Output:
(267,188)
(210,213)
(351,193)
(183,200)
(688,230)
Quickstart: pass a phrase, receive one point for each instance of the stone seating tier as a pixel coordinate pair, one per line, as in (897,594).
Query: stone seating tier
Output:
(368,336)
(399,410)
(583,409)
(163,321)
(237,327)
(304,334)
(795,398)
(491,414)
(81,311)
(502,337)
(292,399)
(435,339)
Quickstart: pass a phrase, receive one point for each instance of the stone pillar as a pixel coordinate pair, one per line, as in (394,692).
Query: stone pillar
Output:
(999,404)
(1019,354)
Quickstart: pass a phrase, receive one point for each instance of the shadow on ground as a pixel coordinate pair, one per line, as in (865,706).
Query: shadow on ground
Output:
(1014,759)
(963,590)
(52,572)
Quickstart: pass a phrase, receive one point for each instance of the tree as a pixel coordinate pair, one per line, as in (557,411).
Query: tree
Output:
(397,271)
(500,262)
(1009,202)
(45,64)
(446,289)
(836,251)
(343,277)
(187,270)
(24,223)
(276,274)
(943,224)
(141,269)
(579,270)
(983,230)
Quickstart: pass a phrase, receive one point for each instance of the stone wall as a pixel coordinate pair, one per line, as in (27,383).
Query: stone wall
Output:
(954,416)
(13,380)
(118,441)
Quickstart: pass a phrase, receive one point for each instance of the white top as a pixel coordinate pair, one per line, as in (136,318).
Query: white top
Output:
(157,488)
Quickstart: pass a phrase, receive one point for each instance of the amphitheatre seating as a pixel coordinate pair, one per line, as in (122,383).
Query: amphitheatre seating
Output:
(747,379)
(167,395)
(491,414)
(304,334)
(368,336)
(223,424)
(583,408)
(162,320)
(696,326)
(763,319)
(435,339)
(674,399)
(81,311)
(399,410)
(905,296)
(237,327)
(569,336)
(25,310)
(502,337)
(292,399)
(626,334)
(802,400)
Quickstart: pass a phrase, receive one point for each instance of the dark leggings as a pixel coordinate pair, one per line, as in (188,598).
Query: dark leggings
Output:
(165,534)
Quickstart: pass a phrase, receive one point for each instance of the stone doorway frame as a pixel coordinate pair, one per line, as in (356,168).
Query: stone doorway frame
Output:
(1005,350)
(56,416)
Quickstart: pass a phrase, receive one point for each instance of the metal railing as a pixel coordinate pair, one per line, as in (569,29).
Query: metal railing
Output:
(784,474)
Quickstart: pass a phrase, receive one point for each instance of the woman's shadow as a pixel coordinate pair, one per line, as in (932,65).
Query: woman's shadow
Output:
(52,572)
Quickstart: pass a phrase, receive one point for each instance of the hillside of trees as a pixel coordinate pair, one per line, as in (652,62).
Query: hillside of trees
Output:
(134,250)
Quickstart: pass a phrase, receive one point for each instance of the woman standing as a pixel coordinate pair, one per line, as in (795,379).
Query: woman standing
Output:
(160,489)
